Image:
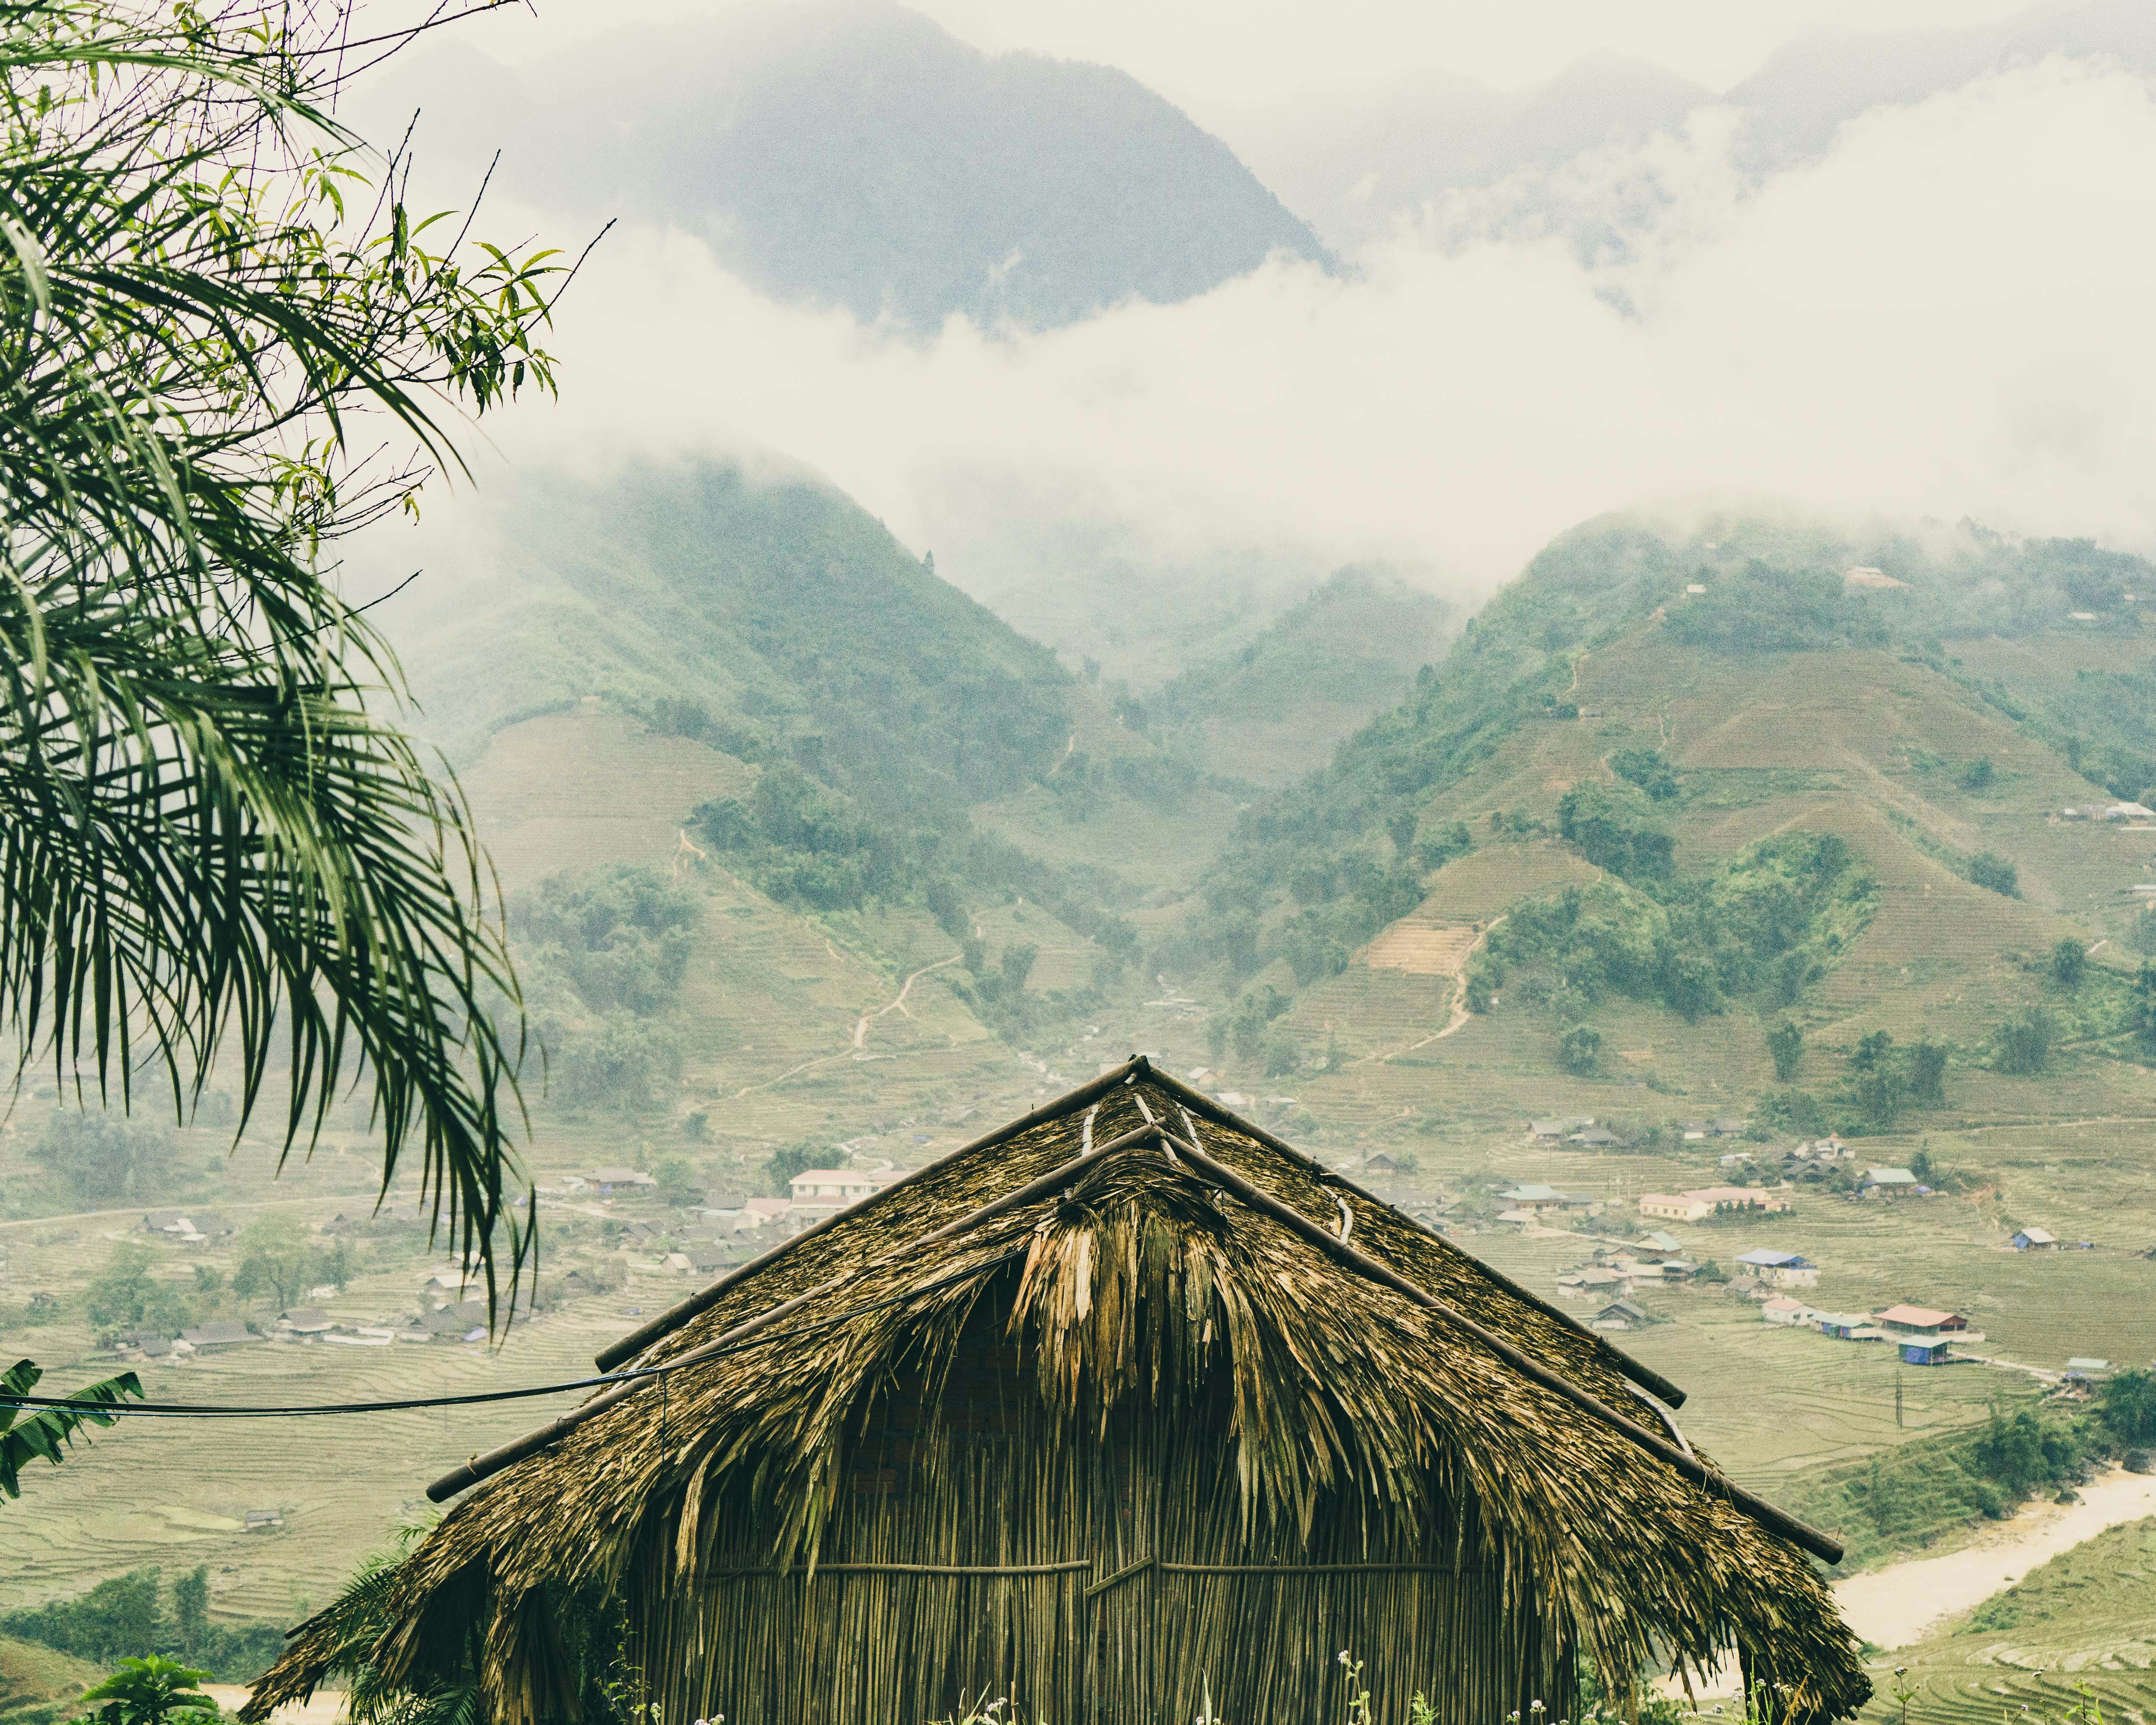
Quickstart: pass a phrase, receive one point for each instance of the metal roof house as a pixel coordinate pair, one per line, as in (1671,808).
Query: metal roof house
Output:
(2033,1239)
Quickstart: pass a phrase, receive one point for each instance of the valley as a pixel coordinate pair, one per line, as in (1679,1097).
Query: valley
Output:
(765,923)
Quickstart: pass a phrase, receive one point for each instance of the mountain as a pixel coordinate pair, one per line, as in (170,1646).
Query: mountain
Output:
(1796,102)
(1674,787)
(1276,709)
(1353,158)
(855,154)
(768,612)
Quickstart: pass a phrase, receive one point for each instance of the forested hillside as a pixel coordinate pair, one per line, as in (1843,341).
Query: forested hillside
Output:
(1671,790)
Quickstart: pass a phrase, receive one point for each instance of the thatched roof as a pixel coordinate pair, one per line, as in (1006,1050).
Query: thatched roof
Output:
(1390,1364)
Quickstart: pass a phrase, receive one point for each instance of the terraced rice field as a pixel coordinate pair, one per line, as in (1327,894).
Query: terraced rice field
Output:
(2086,1618)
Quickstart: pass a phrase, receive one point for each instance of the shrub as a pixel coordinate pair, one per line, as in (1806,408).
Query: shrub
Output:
(1785,1047)
(1612,830)
(1988,869)
(1978,775)
(2025,1041)
(2069,960)
(1579,1048)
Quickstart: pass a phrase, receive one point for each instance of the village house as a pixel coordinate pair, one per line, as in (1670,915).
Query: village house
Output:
(1595,1137)
(2033,1239)
(218,1334)
(1850,1327)
(1659,1241)
(825,1189)
(911,1470)
(1691,1131)
(1535,1199)
(1728,1125)
(763,1212)
(1788,1312)
(305,1322)
(1621,1315)
(611,1180)
(1922,1324)
(1696,1206)
(1781,1269)
(1890,1183)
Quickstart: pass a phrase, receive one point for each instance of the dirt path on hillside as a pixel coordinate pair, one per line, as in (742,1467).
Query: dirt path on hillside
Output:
(1459,1014)
(1898,1605)
(861,1029)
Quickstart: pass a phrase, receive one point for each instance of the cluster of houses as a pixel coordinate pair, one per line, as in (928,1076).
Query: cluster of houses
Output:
(1923,1335)
(1617,1273)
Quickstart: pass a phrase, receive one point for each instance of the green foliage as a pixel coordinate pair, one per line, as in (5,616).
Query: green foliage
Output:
(107,1157)
(1988,870)
(2140,1010)
(2069,959)
(1785,1047)
(132,1611)
(785,1162)
(1579,1050)
(148,1691)
(677,1181)
(1614,831)
(1795,1111)
(1871,1050)
(1978,775)
(1926,1074)
(26,1436)
(1648,770)
(2024,1042)
(125,1297)
(279,1260)
(1764,609)
(1435,849)
(2128,1409)
(1691,951)
(216,845)
(621,934)
(2021,1451)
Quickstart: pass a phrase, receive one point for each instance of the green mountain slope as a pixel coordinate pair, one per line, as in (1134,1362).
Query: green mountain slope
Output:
(1632,758)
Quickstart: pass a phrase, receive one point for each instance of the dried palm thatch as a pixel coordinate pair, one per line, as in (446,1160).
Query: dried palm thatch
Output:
(1133,1407)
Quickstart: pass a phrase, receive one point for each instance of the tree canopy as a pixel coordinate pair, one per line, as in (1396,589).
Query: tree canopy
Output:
(226,343)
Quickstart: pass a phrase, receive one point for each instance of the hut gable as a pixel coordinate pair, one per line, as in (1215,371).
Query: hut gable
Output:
(1126,1407)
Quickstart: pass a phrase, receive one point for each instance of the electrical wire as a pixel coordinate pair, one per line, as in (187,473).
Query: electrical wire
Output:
(187,1410)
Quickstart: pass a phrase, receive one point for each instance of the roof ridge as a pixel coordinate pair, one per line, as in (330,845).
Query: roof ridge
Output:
(667,1321)
(1619,1361)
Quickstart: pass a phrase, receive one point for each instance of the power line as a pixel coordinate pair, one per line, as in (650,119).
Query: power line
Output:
(196,1410)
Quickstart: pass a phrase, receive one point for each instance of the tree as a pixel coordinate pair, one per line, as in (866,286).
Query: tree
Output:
(2128,1409)
(2144,1009)
(1928,1073)
(279,1258)
(149,1692)
(1881,1093)
(1979,774)
(26,1436)
(2069,959)
(1579,1048)
(107,1158)
(2025,1041)
(1988,869)
(1871,1050)
(1017,965)
(1785,1047)
(677,1181)
(124,1297)
(214,845)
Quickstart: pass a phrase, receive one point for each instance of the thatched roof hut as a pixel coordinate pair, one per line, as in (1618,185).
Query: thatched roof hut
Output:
(1124,1409)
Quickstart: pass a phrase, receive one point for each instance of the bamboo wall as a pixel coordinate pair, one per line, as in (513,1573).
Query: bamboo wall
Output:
(1128,1589)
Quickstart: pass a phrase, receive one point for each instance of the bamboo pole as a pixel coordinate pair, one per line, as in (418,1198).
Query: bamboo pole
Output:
(637,1340)
(1766,1514)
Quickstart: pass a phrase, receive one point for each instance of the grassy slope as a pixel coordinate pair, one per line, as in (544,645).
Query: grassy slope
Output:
(2088,1616)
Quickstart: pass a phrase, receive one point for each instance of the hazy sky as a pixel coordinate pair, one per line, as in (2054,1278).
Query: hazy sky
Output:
(1236,50)
(1943,313)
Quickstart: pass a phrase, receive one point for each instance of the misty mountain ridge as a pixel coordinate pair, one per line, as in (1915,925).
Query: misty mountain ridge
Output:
(855,154)
(1359,158)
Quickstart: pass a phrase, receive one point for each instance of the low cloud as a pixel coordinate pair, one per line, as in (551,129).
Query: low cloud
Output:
(1947,315)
